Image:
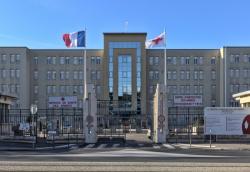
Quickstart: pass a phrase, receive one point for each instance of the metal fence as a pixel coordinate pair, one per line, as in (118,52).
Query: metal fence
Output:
(20,122)
(186,120)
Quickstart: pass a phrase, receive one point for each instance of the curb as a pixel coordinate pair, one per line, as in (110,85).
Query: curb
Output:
(70,146)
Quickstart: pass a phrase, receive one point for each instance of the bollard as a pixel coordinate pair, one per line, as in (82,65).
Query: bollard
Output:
(68,140)
(210,141)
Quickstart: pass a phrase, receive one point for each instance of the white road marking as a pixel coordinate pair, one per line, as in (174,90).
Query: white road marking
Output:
(168,146)
(101,146)
(89,146)
(115,145)
(156,147)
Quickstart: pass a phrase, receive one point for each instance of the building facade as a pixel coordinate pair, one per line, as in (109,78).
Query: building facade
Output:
(124,70)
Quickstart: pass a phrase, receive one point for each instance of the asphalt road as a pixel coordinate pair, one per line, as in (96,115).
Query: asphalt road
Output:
(101,158)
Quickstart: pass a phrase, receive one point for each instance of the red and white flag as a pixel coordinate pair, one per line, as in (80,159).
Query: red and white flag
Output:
(158,41)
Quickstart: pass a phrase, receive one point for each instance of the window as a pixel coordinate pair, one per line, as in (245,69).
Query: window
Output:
(187,60)
(182,75)
(98,75)
(75,89)
(62,60)
(195,60)
(201,89)
(54,89)
(231,73)
(93,75)
(12,58)
(188,89)
(169,76)
(49,89)
(17,73)
(110,74)
(245,73)
(75,75)
(67,61)
(151,60)
(187,75)
(4,58)
(156,75)
(4,73)
(12,88)
(54,60)
(174,75)
(67,75)
(213,60)
(81,75)
(213,75)
(17,58)
(62,75)
(151,74)
(169,60)
(182,60)
(35,89)
(54,75)
(237,73)
(201,74)
(174,60)
(49,61)
(35,60)
(92,60)
(49,75)
(195,75)
(196,89)
(35,75)
(12,73)
(200,60)
(81,89)
(182,89)
(98,60)
(75,62)
(80,60)
(156,61)
(62,89)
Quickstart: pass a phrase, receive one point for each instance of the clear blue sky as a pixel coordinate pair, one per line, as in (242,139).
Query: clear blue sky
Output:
(189,23)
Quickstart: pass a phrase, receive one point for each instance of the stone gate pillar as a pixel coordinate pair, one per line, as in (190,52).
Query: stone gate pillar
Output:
(160,115)
(89,114)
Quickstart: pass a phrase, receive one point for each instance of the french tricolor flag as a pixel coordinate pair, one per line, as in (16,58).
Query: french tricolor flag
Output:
(76,39)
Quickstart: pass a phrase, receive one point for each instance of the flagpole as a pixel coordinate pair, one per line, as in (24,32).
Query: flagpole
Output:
(165,59)
(85,67)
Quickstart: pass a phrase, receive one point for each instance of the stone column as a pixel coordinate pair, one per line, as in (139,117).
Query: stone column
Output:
(160,115)
(89,115)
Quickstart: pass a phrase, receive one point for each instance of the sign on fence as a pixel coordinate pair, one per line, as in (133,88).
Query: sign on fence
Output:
(226,121)
(24,126)
(59,102)
(188,100)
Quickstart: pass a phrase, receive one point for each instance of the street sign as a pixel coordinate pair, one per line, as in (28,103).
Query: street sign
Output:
(33,109)
(161,118)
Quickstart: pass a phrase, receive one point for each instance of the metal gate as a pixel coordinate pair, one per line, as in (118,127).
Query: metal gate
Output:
(185,120)
(116,119)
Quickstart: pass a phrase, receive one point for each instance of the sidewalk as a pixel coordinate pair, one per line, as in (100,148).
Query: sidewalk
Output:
(214,146)
(8,146)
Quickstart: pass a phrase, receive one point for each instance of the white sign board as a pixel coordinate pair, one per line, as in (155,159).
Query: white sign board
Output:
(188,100)
(226,121)
(60,102)
(24,126)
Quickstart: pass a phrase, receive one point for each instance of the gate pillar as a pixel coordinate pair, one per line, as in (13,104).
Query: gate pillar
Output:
(89,114)
(160,115)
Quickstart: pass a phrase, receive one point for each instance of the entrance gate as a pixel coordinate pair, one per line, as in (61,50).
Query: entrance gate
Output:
(114,122)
